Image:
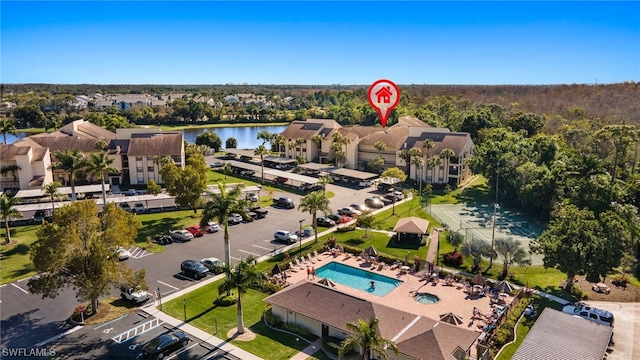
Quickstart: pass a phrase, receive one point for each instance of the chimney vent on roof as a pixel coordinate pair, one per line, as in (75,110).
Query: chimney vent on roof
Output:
(405,145)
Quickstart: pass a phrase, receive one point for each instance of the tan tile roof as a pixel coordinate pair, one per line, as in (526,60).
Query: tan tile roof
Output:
(421,339)
(453,141)
(412,225)
(410,121)
(62,143)
(22,147)
(302,130)
(393,137)
(165,143)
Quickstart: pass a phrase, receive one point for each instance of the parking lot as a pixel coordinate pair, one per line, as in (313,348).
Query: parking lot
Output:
(124,338)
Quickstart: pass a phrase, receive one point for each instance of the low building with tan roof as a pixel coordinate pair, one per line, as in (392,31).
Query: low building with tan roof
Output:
(325,312)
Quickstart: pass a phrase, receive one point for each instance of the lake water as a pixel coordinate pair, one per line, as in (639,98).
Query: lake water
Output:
(246,136)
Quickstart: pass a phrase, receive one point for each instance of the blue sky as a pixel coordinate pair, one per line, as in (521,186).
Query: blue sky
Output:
(203,42)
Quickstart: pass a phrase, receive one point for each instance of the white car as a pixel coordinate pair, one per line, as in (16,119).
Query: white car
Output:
(252,197)
(285,236)
(136,296)
(123,254)
(181,235)
(212,227)
(215,265)
(235,218)
(586,312)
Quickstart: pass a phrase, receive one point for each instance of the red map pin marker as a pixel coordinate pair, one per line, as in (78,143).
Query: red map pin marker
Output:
(383,96)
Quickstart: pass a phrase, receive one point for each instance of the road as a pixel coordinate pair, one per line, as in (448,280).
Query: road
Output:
(27,319)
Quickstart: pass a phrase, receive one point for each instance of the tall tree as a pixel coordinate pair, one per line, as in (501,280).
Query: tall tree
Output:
(339,145)
(364,335)
(211,139)
(428,144)
(312,203)
(476,248)
(219,206)
(7,126)
(231,143)
(241,277)
(97,165)
(188,184)
(265,136)
(71,161)
(446,154)
(7,212)
(455,239)
(566,242)
(261,150)
(78,249)
(380,146)
(511,251)
(51,190)
(325,180)
(226,169)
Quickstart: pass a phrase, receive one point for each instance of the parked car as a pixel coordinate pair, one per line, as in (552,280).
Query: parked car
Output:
(359,207)
(131,192)
(311,187)
(601,288)
(247,172)
(260,213)
(212,227)
(195,230)
(181,235)
(365,183)
(216,164)
(123,254)
(349,211)
(340,219)
(215,265)
(194,269)
(253,197)
(284,202)
(383,199)
(373,203)
(281,180)
(285,236)
(164,345)
(326,222)
(136,296)
(586,312)
(394,196)
(235,218)
(139,208)
(126,207)
(38,217)
(163,239)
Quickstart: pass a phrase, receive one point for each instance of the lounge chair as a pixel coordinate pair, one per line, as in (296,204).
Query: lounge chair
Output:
(292,267)
(380,266)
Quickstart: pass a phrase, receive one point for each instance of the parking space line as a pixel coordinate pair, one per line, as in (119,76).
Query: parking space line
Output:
(250,253)
(211,356)
(3,285)
(138,330)
(54,338)
(27,278)
(21,289)
(183,350)
(164,283)
(109,322)
(235,258)
(262,247)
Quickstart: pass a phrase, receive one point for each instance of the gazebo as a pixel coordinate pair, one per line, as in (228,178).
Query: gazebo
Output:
(410,230)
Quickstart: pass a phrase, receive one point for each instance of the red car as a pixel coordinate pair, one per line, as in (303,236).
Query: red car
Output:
(195,230)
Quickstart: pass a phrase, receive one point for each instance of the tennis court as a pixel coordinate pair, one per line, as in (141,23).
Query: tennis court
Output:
(476,221)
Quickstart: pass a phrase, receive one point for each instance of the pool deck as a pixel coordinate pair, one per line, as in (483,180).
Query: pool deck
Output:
(452,299)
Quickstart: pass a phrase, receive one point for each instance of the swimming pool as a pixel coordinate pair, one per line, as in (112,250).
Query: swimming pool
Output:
(426,298)
(357,278)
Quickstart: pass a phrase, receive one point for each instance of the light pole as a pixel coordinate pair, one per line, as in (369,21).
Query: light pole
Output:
(300,236)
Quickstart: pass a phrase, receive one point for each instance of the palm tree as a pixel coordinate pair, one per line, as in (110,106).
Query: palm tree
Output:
(280,141)
(380,146)
(427,144)
(265,136)
(262,151)
(52,191)
(409,155)
(8,211)
(13,169)
(220,206)
(7,126)
(366,337)
(432,162)
(243,275)
(477,249)
(312,203)
(299,142)
(325,180)
(447,154)
(97,164)
(226,169)
(291,144)
(70,161)
(511,251)
(339,143)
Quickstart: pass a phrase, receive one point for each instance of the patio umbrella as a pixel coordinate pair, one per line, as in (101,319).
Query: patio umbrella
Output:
(478,280)
(504,287)
(326,282)
(451,318)
(276,269)
(371,251)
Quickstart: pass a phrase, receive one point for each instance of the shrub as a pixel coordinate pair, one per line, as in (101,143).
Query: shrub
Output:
(273,320)
(270,288)
(331,344)
(578,293)
(345,228)
(454,259)
(225,301)
(620,280)
(297,329)
(331,242)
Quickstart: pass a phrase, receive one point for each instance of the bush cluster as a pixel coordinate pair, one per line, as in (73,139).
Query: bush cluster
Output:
(578,293)
(332,344)
(505,333)
(276,322)
(346,228)
(225,301)
(454,259)
(269,287)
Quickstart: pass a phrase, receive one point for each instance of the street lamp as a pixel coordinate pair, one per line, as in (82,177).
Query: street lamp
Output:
(496,206)
(300,236)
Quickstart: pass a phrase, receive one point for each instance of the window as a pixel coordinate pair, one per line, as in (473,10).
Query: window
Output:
(138,158)
(150,169)
(139,169)
(140,180)
(150,159)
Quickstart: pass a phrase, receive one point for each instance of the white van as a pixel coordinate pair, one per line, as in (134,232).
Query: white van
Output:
(584,311)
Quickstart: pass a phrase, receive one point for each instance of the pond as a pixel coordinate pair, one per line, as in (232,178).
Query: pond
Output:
(246,136)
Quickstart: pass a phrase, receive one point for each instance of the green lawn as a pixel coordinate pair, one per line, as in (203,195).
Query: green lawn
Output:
(214,176)
(201,313)
(15,262)
(160,223)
